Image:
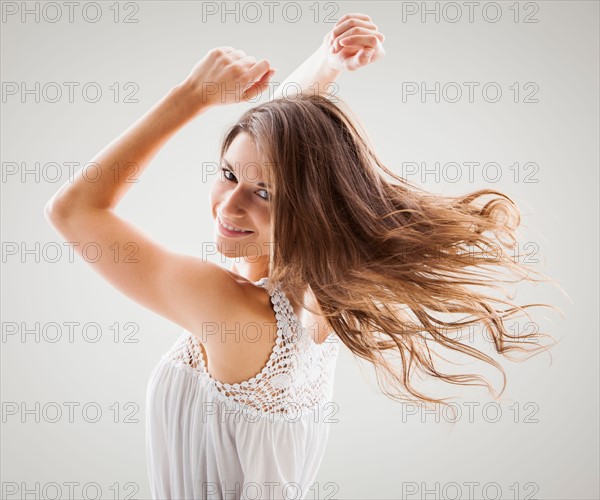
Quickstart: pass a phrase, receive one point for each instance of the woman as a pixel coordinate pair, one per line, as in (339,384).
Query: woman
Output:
(328,250)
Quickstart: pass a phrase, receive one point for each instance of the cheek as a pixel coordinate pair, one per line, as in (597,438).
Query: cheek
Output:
(265,222)
(217,190)
(215,196)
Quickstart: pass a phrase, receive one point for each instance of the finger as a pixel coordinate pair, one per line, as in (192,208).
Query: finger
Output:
(378,54)
(247,61)
(364,57)
(366,54)
(224,48)
(359,41)
(364,17)
(348,53)
(266,77)
(361,31)
(351,29)
(351,23)
(257,88)
(236,54)
(354,62)
(355,59)
(357,30)
(256,72)
(350,41)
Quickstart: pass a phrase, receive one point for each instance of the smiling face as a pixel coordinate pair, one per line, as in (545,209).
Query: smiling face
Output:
(240,199)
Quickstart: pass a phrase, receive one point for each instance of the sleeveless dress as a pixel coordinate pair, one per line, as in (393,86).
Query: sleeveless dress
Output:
(262,438)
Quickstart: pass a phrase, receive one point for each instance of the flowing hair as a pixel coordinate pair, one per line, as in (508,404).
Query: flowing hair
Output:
(383,260)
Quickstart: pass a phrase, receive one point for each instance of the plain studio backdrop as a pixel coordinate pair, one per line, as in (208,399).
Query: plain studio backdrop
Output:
(500,95)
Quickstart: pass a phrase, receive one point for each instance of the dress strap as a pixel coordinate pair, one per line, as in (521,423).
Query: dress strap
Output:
(261,282)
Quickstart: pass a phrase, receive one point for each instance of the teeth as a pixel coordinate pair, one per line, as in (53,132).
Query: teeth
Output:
(231,228)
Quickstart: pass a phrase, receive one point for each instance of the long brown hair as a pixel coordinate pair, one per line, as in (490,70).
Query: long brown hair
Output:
(382,257)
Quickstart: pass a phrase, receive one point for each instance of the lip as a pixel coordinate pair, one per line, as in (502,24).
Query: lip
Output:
(226,232)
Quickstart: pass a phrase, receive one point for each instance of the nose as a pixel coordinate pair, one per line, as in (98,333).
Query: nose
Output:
(232,204)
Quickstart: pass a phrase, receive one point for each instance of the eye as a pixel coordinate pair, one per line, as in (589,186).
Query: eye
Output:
(233,179)
(268,197)
(225,171)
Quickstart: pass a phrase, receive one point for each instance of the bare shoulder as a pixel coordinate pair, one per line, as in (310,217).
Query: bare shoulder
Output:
(213,294)
(238,332)
(185,289)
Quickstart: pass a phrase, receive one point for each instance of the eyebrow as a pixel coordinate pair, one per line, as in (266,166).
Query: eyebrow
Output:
(259,183)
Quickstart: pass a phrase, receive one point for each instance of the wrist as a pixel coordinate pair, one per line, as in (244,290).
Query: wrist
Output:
(324,73)
(324,67)
(330,74)
(189,96)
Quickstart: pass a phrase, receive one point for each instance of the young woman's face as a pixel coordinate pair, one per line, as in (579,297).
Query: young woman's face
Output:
(239,199)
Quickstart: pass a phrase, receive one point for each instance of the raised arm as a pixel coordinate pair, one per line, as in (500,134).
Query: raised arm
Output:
(117,167)
(352,43)
(181,288)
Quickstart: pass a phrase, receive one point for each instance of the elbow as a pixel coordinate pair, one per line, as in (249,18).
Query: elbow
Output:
(54,211)
(48,210)
(60,218)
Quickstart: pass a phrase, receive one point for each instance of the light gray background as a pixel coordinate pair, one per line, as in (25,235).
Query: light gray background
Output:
(376,450)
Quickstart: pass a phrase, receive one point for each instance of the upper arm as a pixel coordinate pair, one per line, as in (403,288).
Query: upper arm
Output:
(181,288)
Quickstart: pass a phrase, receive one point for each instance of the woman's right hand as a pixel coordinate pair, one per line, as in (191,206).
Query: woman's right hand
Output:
(226,75)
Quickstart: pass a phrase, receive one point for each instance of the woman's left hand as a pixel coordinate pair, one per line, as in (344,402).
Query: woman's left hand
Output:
(353,43)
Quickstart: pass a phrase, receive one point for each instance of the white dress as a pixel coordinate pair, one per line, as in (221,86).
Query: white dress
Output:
(263,438)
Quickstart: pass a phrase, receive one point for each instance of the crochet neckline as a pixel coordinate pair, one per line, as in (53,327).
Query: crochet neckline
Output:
(293,316)
(284,314)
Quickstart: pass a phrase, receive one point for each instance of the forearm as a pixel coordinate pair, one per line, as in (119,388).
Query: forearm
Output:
(314,75)
(116,168)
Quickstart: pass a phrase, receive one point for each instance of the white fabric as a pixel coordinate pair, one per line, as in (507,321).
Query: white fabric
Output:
(263,438)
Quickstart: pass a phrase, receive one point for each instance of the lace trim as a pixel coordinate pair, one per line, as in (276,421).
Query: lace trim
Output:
(298,374)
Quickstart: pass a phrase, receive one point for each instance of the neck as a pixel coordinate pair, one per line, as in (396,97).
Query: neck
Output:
(252,269)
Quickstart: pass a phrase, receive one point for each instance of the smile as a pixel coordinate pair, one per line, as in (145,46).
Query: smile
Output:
(230,230)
